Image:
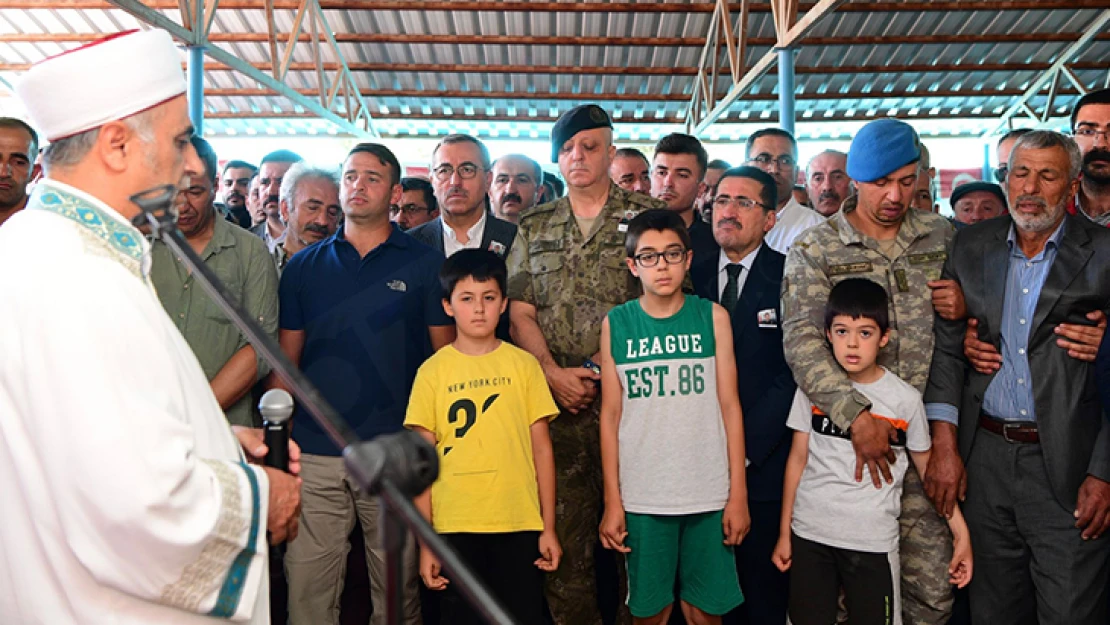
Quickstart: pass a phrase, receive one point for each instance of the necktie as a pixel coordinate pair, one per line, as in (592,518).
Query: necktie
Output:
(732,287)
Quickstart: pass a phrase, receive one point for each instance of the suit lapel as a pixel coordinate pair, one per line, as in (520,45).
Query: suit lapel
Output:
(1071,256)
(752,294)
(996,266)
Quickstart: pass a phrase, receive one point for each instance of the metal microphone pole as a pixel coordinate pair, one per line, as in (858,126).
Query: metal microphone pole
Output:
(396,467)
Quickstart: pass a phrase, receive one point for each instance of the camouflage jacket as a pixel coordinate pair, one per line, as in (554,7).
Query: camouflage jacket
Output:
(830,252)
(573,280)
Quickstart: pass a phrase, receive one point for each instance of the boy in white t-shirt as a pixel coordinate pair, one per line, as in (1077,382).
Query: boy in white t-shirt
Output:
(838,531)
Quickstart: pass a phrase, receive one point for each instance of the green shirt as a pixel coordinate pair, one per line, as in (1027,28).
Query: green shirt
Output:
(246,269)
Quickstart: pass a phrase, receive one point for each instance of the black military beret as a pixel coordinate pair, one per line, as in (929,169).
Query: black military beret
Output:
(971,187)
(574,121)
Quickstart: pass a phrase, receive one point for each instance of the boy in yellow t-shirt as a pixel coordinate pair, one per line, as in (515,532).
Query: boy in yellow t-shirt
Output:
(485,405)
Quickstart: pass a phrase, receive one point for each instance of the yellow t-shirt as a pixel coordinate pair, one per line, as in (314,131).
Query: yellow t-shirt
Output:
(481,409)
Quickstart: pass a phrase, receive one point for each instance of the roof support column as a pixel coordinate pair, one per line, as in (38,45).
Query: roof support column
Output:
(195,87)
(786,89)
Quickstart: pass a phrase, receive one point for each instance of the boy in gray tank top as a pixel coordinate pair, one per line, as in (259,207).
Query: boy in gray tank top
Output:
(672,439)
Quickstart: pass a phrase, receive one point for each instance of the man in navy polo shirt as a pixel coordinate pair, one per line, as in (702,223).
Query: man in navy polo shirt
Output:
(360,312)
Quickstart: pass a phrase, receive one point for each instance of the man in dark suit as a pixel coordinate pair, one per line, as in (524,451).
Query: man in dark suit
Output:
(1033,437)
(746,277)
(461,177)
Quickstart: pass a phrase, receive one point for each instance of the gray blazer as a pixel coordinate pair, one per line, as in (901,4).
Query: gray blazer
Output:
(1074,433)
(498,237)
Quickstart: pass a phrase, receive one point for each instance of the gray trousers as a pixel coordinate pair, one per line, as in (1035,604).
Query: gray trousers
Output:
(1032,566)
(316,562)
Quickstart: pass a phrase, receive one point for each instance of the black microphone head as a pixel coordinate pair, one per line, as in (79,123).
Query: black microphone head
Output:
(276,406)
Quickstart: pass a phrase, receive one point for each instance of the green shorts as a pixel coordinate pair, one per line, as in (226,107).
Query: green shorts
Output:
(690,547)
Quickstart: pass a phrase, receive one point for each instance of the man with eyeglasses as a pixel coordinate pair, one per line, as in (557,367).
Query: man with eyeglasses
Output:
(745,277)
(878,236)
(566,271)
(418,204)
(461,177)
(776,152)
(1090,126)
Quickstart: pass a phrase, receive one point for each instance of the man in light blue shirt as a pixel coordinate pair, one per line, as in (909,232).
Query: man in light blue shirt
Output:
(1032,433)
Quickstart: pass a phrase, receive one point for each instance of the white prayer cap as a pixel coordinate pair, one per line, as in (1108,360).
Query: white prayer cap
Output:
(103,81)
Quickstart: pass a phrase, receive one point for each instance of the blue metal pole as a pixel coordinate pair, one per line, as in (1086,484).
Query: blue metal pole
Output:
(988,174)
(196,87)
(786,89)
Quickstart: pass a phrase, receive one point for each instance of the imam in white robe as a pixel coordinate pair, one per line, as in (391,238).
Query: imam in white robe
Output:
(124,492)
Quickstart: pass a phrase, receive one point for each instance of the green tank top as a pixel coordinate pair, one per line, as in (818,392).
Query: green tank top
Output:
(673,452)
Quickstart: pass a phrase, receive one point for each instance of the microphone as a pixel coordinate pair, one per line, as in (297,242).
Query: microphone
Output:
(276,407)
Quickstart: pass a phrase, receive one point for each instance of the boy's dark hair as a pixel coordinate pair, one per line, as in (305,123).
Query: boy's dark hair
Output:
(481,265)
(556,186)
(858,298)
(659,219)
(678,143)
(769,195)
(1101,96)
(384,155)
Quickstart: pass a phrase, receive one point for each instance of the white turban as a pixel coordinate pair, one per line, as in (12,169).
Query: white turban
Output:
(103,81)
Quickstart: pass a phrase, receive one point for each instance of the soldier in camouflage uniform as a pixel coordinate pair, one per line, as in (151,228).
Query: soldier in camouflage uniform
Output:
(566,270)
(908,266)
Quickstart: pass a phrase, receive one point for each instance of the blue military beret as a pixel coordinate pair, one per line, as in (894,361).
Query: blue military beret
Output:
(574,121)
(880,148)
(978,185)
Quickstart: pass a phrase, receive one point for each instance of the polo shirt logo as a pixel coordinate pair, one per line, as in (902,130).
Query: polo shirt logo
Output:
(397,285)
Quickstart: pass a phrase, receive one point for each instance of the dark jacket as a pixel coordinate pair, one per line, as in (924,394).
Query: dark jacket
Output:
(763,377)
(1074,438)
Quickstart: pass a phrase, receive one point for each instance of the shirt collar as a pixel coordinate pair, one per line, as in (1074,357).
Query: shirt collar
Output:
(473,232)
(745,262)
(91,213)
(1054,241)
(396,238)
(791,205)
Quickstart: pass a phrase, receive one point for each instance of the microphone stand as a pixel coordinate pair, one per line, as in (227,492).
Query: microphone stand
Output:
(395,467)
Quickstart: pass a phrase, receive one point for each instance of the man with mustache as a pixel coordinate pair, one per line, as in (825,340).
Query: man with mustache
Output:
(461,178)
(877,235)
(566,270)
(713,172)
(309,207)
(828,182)
(234,185)
(1030,439)
(631,171)
(270,172)
(745,277)
(1090,125)
(517,181)
(229,361)
(677,178)
(19,145)
(776,152)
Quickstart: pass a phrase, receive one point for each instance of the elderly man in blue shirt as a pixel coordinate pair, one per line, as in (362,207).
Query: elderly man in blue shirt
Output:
(1031,434)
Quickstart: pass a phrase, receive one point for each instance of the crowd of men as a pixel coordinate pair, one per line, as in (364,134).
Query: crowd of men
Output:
(996,317)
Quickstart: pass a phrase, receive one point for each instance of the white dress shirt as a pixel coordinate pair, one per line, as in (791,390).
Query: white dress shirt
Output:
(451,242)
(792,220)
(722,273)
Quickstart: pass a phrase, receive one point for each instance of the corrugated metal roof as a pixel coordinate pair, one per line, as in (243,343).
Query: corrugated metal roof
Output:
(838,80)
